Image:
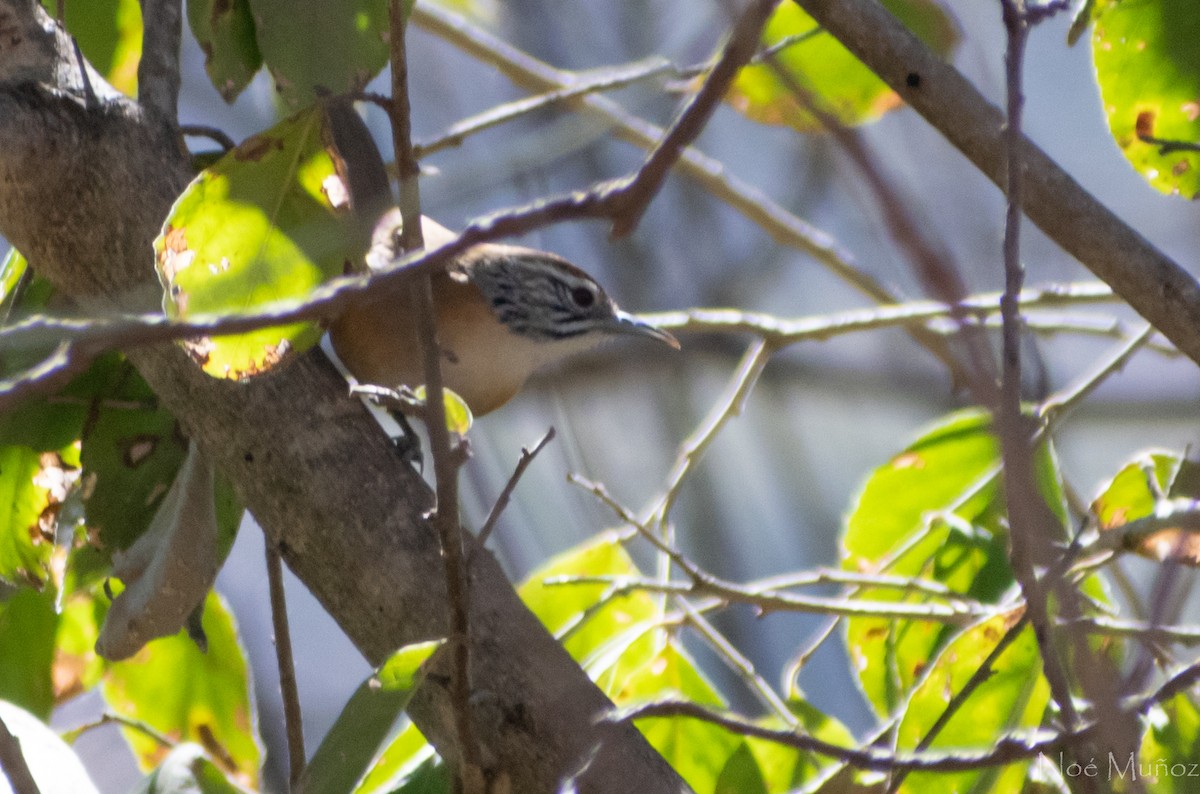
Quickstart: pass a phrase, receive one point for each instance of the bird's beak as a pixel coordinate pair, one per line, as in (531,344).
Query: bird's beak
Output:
(629,324)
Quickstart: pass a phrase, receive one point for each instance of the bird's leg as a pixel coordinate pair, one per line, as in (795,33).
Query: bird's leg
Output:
(399,403)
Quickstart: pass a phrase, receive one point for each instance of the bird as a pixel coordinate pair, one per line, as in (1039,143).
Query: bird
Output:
(502,313)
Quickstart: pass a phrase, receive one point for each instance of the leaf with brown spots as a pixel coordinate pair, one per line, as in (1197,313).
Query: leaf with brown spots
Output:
(262,226)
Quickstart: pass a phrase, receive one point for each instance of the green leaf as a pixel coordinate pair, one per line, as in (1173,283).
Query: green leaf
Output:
(53,764)
(1015,695)
(408,763)
(458,414)
(188,770)
(936,508)
(190,695)
(32,486)
(109,33)
(263,226)
(826,71)
(741,774)
(1148,68)
(225,31)
(785,768)
(697,750)
(354,740)
(43,422)
(27,630)
(1128,497)
(1171,746)
(353,36)
(132,450)
(608,640)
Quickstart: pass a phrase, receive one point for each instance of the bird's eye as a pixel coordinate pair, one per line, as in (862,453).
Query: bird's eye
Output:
(583,297)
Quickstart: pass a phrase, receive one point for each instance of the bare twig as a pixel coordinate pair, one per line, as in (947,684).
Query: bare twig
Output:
(470,773)
(1006,750)
(112,718)
(81,339)
(1159,289)
(527,456)
(783,226)
(738,662)
(1032,525)
(290,694)
(732,403)
(740,47)
(605,80)
(215,134)
(12,762)
(955,613)
(158,69)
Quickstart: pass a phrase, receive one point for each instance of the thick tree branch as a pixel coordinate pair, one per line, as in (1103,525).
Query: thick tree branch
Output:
(83,192)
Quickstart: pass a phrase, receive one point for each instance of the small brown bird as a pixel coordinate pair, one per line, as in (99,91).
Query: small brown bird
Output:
(502,313)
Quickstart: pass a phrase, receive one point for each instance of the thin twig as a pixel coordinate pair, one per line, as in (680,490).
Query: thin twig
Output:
(289,692)
(738,662)
(1031,523)
(12,762)
(740,47)
(81,339)
(731,404)
(957,613)
(527,456)
(112,718)
(470,773)
(929,259)
(783,226)
(216,134)
(605,80)
(1159,289)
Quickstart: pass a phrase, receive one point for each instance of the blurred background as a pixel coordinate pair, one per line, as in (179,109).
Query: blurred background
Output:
(770,494)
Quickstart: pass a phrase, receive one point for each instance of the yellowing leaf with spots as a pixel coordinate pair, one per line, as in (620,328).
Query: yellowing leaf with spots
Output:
(191,696)
(1148,67)
(930,511)
(262,227)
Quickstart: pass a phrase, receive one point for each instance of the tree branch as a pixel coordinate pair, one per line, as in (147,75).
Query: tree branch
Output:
(1155,286)
(312,466)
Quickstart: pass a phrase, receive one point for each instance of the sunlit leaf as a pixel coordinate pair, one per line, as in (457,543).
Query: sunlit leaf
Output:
(559,606)
(1171,746)
(27,629)
(1128,497)
(263,225)
(1148,67)
(353,742)
(32,487)
(935,508)
(697,750)
(353,36)
(408,764)
(1014,695)
(825,71)
(458,414)
(191,696)
(225,31)
(132,450)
